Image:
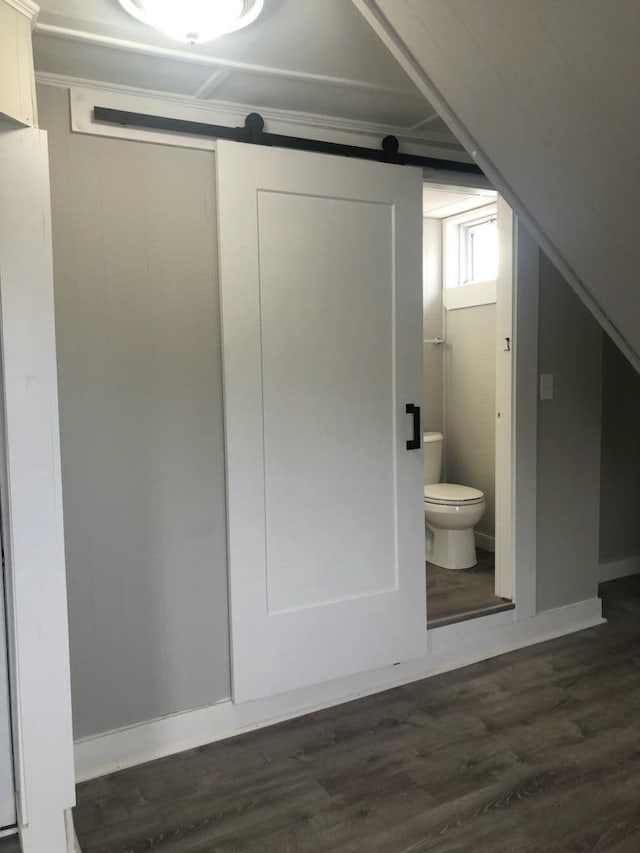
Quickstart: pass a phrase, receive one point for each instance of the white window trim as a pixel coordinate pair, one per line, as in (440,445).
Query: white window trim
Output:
(455,295)
(469,295)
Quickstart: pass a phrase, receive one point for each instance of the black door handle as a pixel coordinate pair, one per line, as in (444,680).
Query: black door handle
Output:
(414,443)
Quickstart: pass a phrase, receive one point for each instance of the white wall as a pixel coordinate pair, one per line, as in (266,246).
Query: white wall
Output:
(470,408)
(141,423)
(432,326)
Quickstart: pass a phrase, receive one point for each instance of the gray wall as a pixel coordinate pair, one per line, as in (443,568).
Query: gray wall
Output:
(620,461)
(141,423)
(470,403)
(432,325)
(568,478)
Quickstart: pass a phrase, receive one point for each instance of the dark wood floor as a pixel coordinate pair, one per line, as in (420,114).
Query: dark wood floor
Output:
(10,845)
(537,751)
(453,596)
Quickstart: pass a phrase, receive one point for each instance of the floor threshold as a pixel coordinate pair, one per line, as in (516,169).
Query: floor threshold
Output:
(470,614)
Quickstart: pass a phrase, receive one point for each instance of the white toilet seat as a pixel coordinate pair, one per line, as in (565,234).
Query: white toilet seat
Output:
(452,494)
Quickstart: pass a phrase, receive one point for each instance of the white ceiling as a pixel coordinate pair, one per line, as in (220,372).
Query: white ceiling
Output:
(439,202)
(315,57)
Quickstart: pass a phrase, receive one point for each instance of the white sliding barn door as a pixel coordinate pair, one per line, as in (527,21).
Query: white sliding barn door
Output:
(321,311)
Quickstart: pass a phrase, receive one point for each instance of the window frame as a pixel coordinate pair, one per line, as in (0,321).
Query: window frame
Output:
(456,294)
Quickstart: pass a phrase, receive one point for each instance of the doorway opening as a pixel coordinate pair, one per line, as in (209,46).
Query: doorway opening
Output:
(467,406)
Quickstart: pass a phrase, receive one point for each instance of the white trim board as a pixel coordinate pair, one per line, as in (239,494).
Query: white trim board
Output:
(27,8)
(73,845)
(614,569)
(32,499)
(451,647)
(85,94)
(469,295)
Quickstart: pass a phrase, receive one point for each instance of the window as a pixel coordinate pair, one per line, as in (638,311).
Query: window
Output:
(478,246)
(470,253)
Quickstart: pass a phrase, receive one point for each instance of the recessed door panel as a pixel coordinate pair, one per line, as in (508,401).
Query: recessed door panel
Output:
(327,372)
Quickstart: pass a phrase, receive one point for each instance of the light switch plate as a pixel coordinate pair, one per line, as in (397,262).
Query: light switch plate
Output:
(546,386)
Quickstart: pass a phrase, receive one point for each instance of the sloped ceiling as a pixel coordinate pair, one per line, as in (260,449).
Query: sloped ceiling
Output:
(315,57)
(546,94)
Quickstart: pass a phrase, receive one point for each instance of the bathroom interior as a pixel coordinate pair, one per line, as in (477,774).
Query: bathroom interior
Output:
(460,348)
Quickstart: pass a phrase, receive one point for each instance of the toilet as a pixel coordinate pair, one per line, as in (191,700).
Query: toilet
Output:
(450,511)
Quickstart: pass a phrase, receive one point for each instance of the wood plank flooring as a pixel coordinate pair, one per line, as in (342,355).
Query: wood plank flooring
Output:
(537,751)
(453,596)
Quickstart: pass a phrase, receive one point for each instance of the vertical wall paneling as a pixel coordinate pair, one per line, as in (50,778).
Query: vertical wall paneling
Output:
(141,424)
(432,326)
(470,379)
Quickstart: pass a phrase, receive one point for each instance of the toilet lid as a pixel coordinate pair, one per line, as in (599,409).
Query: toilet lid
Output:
(451,493)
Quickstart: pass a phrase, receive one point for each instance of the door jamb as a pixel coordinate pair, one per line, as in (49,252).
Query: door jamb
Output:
(504,404)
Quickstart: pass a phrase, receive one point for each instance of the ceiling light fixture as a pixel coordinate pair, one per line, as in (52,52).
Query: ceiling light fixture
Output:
(194,21)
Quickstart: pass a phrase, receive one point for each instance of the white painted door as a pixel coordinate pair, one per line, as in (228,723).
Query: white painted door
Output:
(320,263)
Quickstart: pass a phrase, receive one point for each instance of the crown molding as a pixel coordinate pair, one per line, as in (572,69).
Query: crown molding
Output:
(99,40)
(227,112)
(27,8)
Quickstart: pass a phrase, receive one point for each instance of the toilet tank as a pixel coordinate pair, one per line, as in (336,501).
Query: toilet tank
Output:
(432,449)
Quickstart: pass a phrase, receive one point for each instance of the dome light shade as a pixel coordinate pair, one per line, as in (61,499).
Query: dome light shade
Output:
(194,21)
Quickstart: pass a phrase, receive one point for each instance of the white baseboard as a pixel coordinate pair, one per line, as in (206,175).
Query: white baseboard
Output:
(73,845)
(450,647)
(486,542)
(615,569)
